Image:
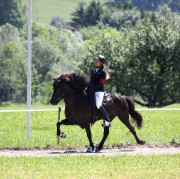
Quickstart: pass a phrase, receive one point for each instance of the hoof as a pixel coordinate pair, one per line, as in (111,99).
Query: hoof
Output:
(89,149)
(98,149)
(63,135)
(142,142)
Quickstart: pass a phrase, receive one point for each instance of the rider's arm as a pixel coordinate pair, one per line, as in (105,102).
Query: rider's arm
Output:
(100,85)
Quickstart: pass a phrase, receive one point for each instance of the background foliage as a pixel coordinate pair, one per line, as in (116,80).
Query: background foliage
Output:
(142,48)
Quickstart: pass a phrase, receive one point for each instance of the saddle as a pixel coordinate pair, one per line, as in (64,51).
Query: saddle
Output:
(96,112)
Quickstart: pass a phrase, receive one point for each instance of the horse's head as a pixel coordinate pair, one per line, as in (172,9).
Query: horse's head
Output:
(58,89)
(66,84)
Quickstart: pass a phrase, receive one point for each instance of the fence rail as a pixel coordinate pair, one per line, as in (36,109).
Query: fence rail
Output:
(44,110)
(27,110)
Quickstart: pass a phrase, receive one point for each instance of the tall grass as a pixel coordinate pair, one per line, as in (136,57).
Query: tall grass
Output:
(159,127)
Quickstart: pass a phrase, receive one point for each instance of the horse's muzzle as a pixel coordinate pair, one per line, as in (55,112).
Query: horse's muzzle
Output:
(55,101)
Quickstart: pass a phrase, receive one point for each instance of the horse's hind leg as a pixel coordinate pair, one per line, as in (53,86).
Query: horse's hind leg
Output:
(106,133)
(125,120)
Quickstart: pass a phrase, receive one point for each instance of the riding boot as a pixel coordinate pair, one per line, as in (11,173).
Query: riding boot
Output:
(107,122)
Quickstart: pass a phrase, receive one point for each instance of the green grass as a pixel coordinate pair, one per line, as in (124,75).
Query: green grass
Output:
(159,127)
(176,105)
(45,10)
(124,166)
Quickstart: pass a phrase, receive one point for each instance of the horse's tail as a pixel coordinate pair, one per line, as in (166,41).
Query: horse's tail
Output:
(136,116)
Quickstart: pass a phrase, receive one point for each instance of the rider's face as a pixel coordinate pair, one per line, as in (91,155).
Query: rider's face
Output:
(98,63)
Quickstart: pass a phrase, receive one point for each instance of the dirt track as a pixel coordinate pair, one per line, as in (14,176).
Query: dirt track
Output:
(129,150)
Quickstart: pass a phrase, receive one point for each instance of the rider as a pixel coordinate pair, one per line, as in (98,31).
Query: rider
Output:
(98,77)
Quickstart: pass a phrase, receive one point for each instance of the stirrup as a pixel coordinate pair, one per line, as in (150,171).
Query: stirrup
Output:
(106,124)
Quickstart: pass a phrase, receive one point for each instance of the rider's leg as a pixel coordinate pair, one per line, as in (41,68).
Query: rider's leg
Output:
(99,99)
(107,122)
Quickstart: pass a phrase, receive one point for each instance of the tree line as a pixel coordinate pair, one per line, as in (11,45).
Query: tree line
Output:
(142,48)
(150,4)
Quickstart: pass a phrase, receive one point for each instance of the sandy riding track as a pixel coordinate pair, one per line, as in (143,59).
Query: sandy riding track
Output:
(129,150)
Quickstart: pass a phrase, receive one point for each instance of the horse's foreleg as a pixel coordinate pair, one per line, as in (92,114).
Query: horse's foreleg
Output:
(88,132)
(106,133)
(63,122)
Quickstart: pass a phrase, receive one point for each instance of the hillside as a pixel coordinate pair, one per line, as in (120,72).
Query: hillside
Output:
(44,10)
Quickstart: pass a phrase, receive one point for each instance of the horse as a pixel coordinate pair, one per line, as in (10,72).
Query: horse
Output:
(79,110)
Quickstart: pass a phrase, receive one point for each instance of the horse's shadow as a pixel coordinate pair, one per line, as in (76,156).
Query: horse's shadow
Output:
(69,152)
(103,152)
(65,152)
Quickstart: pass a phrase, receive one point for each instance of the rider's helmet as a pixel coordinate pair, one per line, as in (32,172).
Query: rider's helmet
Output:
(101,58)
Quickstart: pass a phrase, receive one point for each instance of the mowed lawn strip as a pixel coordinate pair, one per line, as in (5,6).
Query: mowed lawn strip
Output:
(124,166)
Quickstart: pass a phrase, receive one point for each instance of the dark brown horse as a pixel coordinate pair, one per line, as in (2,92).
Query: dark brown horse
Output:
(79,110)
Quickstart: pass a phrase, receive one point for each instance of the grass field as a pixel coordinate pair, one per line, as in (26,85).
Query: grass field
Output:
(140,167)
(159,127)
(45,10)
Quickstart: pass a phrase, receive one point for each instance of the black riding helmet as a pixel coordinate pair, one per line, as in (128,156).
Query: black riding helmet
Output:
(101,58)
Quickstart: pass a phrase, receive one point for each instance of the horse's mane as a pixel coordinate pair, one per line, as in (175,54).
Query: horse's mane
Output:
(77,80)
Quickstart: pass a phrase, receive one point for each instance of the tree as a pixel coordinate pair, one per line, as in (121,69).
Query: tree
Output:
(93,12)
(108,42)
(127,5)
(89,32)
(79,15)
(87,16)
(53,52)
(144,61)
(153,63)
(121,20)
(12,12)
(43,58)
(153,4)
(172,18)
(12,65)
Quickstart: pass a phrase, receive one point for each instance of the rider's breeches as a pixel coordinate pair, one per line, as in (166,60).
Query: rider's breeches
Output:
(99,95)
